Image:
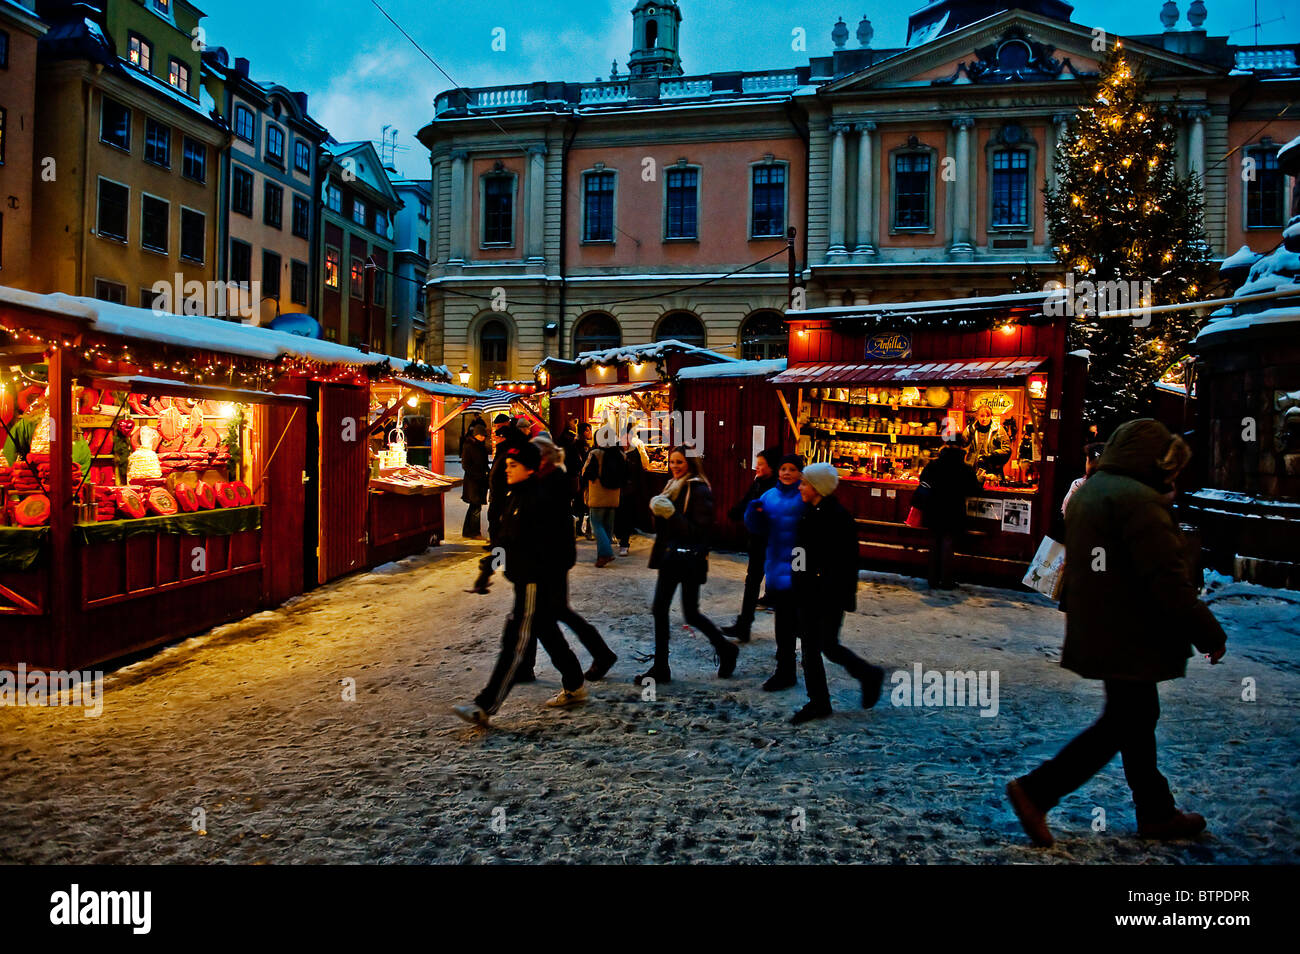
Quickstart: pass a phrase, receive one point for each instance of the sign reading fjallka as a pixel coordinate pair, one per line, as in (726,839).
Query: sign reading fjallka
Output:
(889,346)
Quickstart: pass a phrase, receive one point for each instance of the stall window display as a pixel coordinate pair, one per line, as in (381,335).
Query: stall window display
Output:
(394,422)
(651,408)
(891,433)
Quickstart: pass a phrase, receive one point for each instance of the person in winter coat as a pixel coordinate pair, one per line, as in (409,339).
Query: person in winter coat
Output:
(825,584)
(764,480)
(1132,616)
(630,501)
(509,437)
(683,516)
(554,479)
(950,481)
(605,466)
(474,491)
(1091,458)
(776,515)
(529,563)
(581,448)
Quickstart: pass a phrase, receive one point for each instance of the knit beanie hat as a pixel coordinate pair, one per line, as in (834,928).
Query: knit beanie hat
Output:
(791,459)
(772,455)
(527,453)
(823,478)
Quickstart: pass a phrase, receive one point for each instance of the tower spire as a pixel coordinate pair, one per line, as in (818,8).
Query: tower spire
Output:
(656,26)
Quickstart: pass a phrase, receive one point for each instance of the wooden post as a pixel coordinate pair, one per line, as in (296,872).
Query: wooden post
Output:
(785,406)
(64,577)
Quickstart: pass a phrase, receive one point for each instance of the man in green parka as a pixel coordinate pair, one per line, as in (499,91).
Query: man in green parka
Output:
(1132,616)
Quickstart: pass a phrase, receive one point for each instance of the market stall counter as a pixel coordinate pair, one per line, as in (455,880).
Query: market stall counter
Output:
(876,390)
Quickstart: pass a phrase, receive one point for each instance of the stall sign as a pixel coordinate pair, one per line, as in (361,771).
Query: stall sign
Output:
(999,402)
(889,346)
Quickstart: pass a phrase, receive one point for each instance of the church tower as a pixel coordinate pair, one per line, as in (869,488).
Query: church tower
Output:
(655,27)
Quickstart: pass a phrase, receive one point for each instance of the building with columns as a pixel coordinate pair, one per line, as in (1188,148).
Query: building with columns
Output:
(654,204)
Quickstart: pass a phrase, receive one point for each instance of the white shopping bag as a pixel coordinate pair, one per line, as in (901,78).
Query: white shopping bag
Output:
(1047,569)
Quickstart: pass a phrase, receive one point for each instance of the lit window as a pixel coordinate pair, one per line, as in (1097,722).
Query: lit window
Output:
(178,74)
(357,278)
(140,52)
(332,268)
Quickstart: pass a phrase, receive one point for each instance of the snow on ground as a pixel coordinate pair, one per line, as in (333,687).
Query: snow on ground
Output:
(247,723)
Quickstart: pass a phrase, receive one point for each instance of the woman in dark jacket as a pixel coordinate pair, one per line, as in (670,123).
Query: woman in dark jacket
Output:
(474,461)
(950,480)
(775,515)
(764,480)
(683,515)
(1132,616)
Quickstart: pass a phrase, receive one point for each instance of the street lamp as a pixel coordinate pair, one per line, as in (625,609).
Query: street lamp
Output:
(464,375)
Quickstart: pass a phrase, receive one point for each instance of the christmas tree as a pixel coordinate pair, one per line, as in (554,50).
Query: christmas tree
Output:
(1120,213)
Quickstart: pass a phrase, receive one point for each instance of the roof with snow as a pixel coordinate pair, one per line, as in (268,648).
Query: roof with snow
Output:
(1032,300)
(734,369)
(635,354)
(188,331)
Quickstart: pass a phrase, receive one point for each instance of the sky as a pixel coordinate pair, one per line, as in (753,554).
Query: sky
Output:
(360,73)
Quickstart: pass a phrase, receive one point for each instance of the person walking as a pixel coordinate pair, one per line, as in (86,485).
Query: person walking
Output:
(1132,614)
(775,515)
(630,501)
(1091,458)
(509,436)
(683,516)
(825,586)
(529,560)
(603,476)
(946,482)
(764,480)
(554,479)
(581,448)
(474,491)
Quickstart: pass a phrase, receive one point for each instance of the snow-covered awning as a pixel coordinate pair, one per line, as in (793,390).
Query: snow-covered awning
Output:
(139,384)
(735,369)
(635,354)
(938,372)
(439,388)
(571,391)
(1018,302)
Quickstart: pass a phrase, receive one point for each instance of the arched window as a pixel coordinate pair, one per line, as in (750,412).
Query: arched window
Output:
(681,326)
(652,34)
(764,335)
(493,351)
(596,332)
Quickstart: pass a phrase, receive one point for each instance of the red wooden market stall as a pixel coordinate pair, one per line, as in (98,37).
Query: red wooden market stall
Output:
(156,472)
(872,390)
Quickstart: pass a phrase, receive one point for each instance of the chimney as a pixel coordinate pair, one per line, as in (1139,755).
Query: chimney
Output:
(241,65)
(301,100)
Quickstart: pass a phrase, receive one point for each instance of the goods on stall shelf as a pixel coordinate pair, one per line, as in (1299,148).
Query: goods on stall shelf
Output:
(412,479)
(649,408)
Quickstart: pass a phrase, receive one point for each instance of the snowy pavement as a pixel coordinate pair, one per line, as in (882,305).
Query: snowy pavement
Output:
(244,733)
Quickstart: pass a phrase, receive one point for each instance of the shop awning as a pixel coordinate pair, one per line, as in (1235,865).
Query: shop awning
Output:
(212,392)
(493,401)
(600,390)
(937,372)
(438,388)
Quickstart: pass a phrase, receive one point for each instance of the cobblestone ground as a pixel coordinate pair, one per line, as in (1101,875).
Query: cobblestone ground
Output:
(248,724)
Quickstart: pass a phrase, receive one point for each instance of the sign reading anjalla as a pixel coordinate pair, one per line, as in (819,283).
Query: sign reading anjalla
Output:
(889,346)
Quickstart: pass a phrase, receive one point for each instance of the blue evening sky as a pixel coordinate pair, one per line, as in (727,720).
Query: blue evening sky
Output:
(360,73)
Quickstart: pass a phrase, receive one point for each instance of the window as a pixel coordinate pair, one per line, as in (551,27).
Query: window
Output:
(275,145)
(298,283)
(381,222)
(1011,188)
(683,204)
(493,351)
(334,199)
(115,124)
(114,204)
(912,190)
(764,335)
(241,262)
(139,52)
(194,237)
(331,268)
(767,210)
(302,156)
(301,217)
(423,248)
(194,160)
(1265,191)
(681,326)
(244,123)
(241,191)
(597,332)
(157,143)
(273,205)
(150,301)
(4,122)
(357,279)
(178,74)
(498,210)
(381,283)
(153,223)
(4,49)
(270,274)
(110,291)
(424,211)
(162,6)
(598,207)
(358,212)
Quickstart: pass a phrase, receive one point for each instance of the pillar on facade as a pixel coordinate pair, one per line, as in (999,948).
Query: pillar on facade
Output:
(460,207)
(839,188)
(536,204)
(866,248)
(961,246)
(1196,142)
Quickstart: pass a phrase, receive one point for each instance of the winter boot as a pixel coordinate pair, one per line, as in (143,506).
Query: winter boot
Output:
(1032,818)
(809,712)
(728,653)
(871,687)
(739,631)
(781,679)
(599,667)
(658,672)
(1177,826)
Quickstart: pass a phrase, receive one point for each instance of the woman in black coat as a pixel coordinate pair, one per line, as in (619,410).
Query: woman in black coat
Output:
(948,480)
(683,515)
(474,491)
(764,480)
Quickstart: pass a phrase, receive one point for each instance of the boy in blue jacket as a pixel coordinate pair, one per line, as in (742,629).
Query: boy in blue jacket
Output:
(776,515)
